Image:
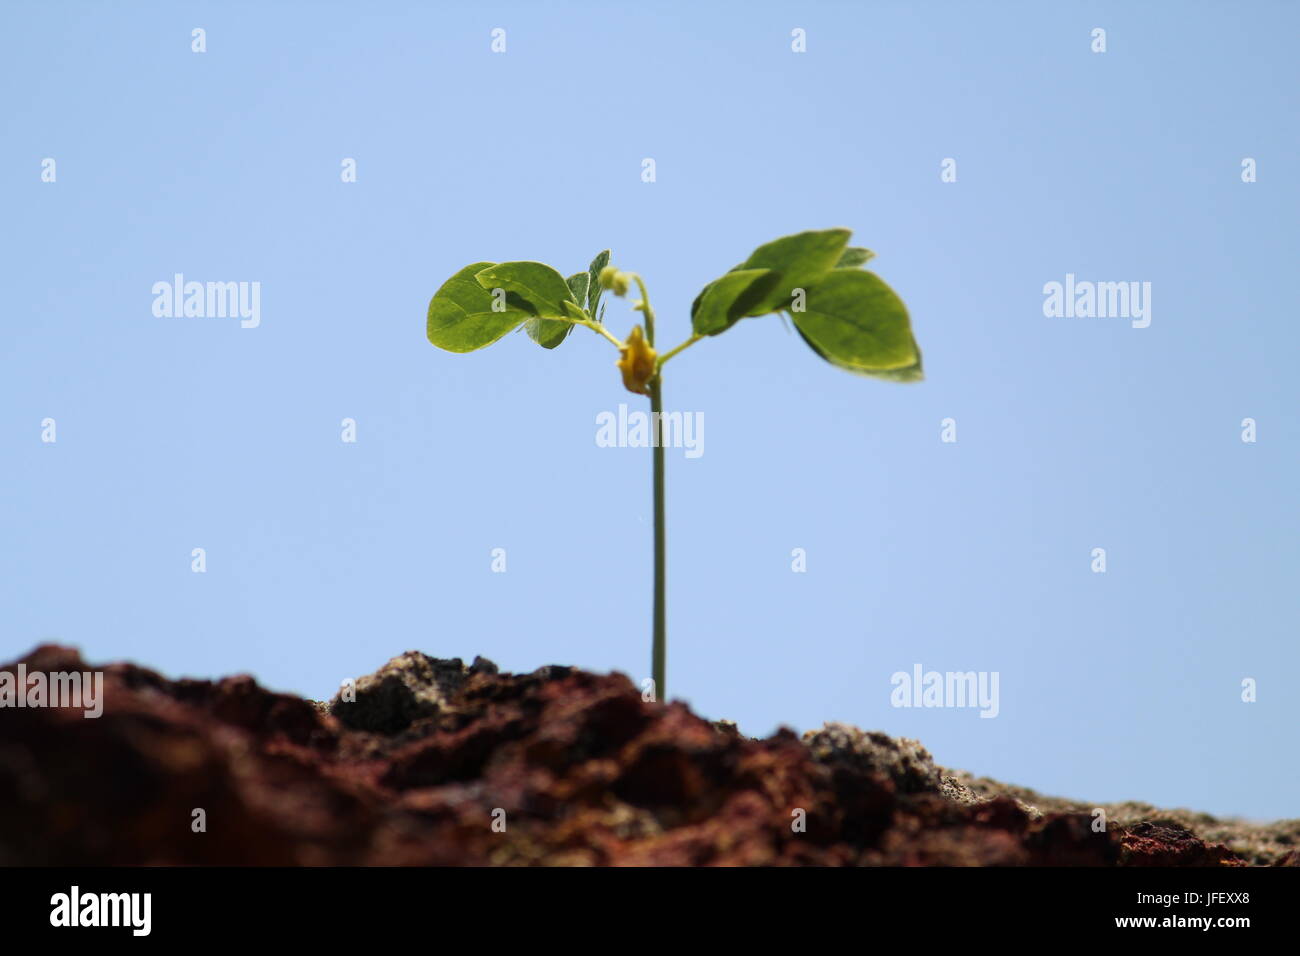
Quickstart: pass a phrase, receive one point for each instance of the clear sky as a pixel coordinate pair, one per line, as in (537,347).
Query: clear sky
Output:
(325,558)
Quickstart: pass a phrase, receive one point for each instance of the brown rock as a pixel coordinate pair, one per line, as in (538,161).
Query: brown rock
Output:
(438,763)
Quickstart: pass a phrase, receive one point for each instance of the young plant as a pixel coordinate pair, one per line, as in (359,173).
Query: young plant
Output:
(845,314)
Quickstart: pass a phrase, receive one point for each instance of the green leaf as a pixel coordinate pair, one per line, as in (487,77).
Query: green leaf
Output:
(716,308)
(461,315)
(549,333)
(913,373)
(855,321)
(799,261)
(578,284)
(593,283)
(536,283)
(854,256)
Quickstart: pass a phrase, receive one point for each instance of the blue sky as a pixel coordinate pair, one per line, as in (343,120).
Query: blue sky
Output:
(326,558)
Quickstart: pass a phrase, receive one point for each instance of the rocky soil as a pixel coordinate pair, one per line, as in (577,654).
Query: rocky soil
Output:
(437,763)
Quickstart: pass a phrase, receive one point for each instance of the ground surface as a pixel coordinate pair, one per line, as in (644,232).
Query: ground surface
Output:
(436,762)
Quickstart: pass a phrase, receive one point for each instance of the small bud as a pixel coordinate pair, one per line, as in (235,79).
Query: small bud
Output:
(638,363)
(610,278)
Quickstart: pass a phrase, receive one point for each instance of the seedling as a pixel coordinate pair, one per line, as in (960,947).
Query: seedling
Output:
(845,314)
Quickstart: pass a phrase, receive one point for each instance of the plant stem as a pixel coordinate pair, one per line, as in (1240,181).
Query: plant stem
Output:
(659,652)
(596,327)
(681,348)
(659,649)
(648,312)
